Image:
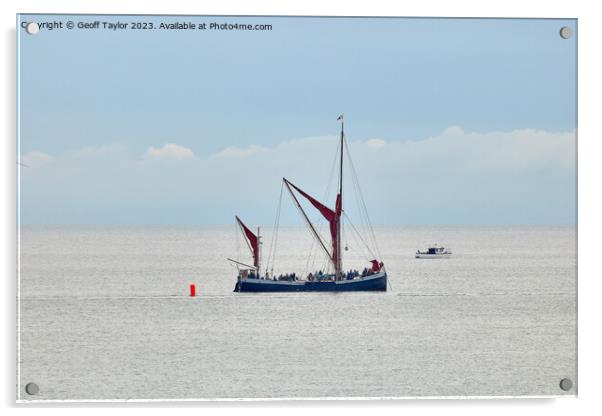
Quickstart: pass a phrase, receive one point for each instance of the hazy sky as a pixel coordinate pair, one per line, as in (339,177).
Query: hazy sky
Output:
(449,121)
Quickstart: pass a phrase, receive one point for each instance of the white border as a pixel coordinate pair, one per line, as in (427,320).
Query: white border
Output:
(590,286)
(293,399)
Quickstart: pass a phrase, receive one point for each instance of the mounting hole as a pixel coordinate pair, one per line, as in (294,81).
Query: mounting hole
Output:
(566,384)
(566,32)
(32,28)
(32,389)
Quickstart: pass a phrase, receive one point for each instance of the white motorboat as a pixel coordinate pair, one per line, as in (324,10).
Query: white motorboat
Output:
(434,252)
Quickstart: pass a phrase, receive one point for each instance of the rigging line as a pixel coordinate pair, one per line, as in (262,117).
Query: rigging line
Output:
(357,239)
(389,282)
(364,219)
(274,240)
(359,235)
(277,233)
(358,253)
(310,257)
(307,219)
(357,193)
(327,267)
(372,234)
(313,255)
(320,221)
(332,168)
(357,187)
(357,201)
(237,237)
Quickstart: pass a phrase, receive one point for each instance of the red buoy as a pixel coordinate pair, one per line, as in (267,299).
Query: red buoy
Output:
(192,290)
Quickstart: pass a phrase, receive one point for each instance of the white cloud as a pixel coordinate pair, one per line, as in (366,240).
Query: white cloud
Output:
(35,159)
(520,176)
(241,152)
(170,151)
(376,143)
(453,131)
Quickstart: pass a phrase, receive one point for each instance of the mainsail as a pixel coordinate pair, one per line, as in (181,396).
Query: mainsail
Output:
(333,218)
(252,240)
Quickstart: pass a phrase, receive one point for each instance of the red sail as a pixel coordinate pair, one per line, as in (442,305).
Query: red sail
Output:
(253,242)
(334,225)
(376,266)
(331,216)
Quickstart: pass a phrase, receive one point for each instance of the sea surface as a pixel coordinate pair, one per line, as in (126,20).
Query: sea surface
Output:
(105,313)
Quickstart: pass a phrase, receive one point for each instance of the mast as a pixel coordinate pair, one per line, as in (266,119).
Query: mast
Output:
(333,216)
(339,207)
(258,250)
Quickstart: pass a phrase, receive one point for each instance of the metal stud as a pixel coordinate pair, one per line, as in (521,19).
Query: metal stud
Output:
(32,28)
(32,389)
(566,384)
(566,32)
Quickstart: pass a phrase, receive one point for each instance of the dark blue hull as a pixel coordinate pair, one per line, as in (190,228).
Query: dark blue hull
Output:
(377,282)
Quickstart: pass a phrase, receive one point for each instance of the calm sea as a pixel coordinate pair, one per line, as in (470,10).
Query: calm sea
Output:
(105,314)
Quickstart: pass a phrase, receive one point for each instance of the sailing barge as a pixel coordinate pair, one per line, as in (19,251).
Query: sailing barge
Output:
(251,278)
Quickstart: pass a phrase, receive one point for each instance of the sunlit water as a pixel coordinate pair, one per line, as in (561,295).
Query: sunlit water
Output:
(105,314)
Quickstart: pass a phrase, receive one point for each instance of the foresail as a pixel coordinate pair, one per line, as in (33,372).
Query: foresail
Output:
(252,240)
